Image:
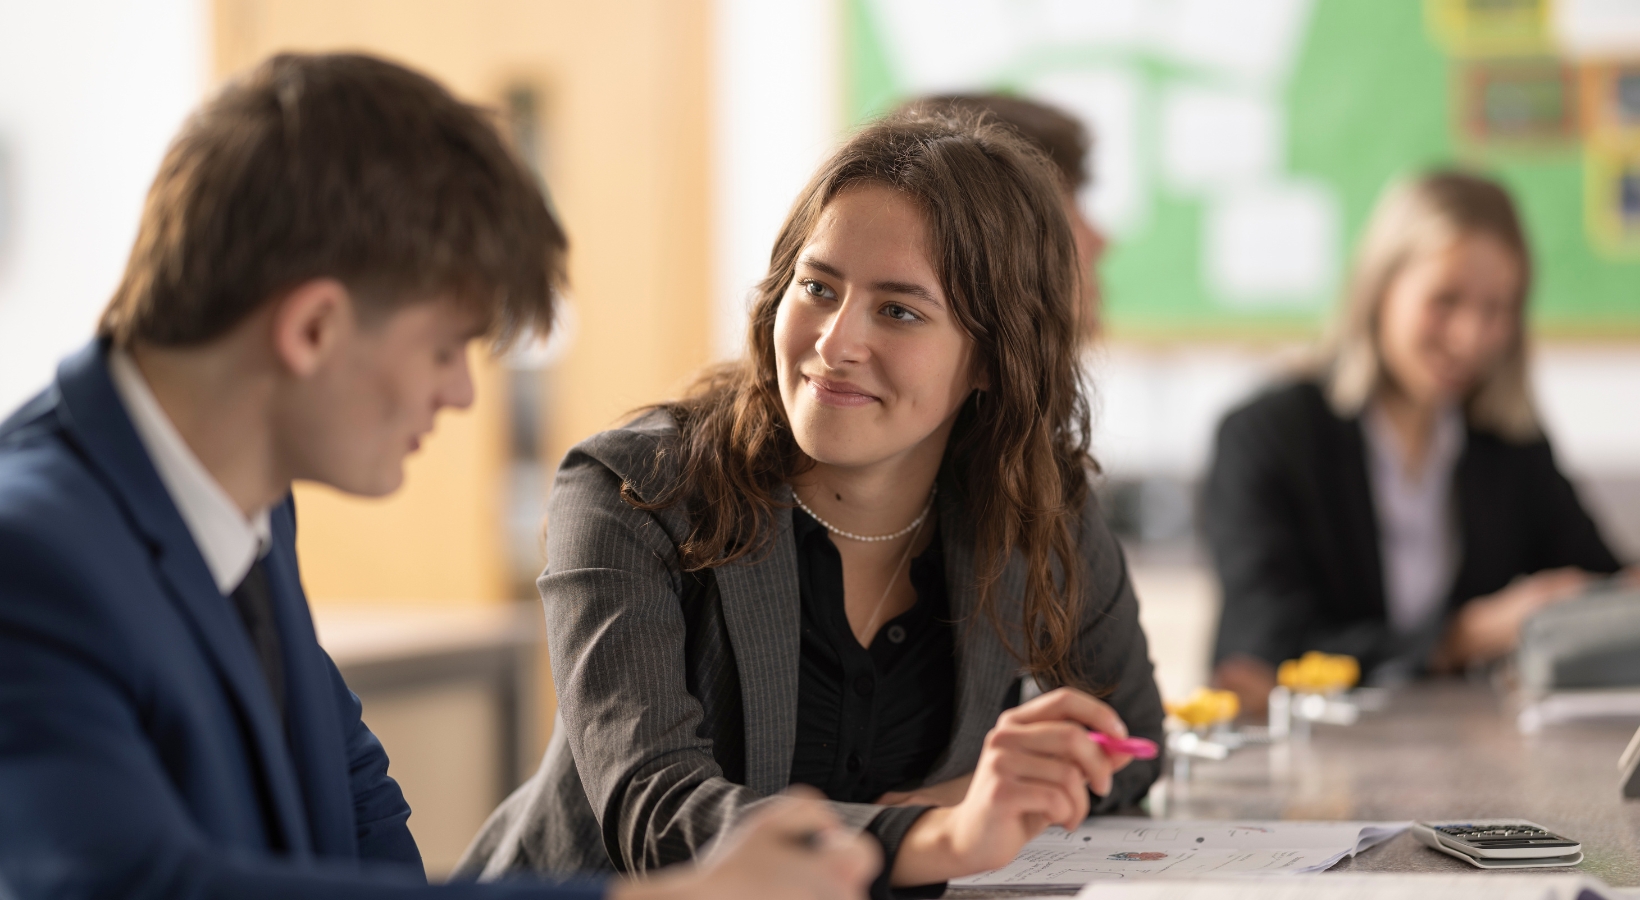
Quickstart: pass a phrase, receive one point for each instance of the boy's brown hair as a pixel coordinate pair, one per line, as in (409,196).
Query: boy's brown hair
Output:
(1053,131)
(336,166)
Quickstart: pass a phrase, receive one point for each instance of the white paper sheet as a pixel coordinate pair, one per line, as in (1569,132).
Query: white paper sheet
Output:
(1254,41)
(1599,29)
(1361,887)
(1122,848)
(1109,102)
(1213,138)
(1274,245)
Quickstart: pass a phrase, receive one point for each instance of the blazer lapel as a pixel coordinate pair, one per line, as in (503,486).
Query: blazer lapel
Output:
(985,668)
(1359,543)
(763,613)
(93,413)
(1478,517)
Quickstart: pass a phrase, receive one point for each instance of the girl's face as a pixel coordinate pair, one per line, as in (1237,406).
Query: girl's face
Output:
(872,364)
(1449,317)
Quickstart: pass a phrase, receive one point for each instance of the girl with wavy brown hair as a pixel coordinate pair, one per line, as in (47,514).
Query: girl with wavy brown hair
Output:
(850,559)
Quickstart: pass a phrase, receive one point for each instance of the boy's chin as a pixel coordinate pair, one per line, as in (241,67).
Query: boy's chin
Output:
(379,483)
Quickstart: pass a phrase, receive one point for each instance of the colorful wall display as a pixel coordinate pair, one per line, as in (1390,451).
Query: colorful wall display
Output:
(1240,146)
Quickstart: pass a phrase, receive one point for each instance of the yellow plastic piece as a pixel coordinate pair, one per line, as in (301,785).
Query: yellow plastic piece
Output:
(1206,707)
(1319,673)
(1491,29)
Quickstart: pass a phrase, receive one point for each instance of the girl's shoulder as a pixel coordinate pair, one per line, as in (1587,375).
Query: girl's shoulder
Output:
(639,453)
(1284,406)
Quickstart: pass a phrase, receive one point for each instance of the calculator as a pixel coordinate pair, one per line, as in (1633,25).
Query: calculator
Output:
(1505,843)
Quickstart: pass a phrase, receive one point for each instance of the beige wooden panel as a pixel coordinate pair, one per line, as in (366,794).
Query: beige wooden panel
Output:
(625,91)
(442,749)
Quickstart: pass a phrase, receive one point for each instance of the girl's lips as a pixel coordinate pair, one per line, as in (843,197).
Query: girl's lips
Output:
(838,394)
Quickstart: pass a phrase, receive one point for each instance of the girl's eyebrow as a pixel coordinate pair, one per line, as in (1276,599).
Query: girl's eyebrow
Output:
(910,290)
(821,265)
(907,288)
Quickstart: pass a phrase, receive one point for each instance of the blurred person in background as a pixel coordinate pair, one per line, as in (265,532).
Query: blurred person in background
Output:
(1066,143)
(838,561)
(323,243)
(1401,505)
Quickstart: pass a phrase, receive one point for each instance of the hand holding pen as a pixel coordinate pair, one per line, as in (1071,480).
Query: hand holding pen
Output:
(1036,769)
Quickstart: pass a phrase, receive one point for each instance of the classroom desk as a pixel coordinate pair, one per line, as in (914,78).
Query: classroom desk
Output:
(1437,751)
(452,694)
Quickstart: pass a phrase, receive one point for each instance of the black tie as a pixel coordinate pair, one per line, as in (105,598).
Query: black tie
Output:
(254,600)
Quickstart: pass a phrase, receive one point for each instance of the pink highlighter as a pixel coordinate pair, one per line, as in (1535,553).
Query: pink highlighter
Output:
(1136,747)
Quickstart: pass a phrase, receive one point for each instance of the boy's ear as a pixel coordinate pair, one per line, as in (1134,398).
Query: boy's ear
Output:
(309,322)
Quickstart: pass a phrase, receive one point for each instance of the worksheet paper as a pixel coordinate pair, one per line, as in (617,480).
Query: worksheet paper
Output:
(1122,848)
(1364,887)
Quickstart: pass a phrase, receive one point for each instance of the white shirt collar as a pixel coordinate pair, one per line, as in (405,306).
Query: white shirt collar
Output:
(230,543)
(1418,543)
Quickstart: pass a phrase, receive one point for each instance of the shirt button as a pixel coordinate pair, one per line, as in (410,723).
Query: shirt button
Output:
(862,685)
(896,634)
(854,762)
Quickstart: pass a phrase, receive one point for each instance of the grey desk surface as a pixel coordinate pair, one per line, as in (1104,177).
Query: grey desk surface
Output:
(1437,751)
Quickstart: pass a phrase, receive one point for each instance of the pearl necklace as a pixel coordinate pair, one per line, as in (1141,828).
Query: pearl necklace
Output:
(870,538)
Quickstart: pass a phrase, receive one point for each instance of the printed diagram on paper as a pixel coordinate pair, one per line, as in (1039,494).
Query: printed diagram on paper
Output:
(1121,848)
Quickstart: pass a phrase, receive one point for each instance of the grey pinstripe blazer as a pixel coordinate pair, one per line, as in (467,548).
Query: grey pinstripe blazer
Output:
(678,695)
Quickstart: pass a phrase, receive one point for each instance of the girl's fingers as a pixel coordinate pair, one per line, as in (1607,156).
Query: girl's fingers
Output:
(1061,741)
(1024,798)
(1030,773)
(1069,704)
(1041,768)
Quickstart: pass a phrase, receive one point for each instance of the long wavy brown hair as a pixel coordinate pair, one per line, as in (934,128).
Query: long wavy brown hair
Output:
(1019,449)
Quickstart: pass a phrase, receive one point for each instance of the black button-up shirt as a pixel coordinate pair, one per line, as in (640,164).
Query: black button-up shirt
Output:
(870,720)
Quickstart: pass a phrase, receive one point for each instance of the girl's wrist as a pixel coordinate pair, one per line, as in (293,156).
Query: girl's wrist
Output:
(927,854)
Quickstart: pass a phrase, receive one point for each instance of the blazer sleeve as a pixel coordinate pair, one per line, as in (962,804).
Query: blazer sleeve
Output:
(1251,525)
(89,809)
(1566,535)
(613,591)
(1113,653)
(380,812)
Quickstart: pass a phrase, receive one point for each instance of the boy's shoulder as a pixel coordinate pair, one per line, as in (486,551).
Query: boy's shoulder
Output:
(51,500)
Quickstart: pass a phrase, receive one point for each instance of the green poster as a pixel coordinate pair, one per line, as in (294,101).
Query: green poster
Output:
(1241,145)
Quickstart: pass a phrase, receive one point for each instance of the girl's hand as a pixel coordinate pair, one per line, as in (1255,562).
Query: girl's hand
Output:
(1489,627)
(1036,770)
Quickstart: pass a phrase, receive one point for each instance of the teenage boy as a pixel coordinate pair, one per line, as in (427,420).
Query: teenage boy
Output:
(324,240)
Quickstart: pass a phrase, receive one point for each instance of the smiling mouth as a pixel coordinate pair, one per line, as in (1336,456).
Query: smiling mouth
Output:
(834,394)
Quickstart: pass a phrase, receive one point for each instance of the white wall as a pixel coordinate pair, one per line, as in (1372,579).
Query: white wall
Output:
(90,93)
(777,108)
(1157,406)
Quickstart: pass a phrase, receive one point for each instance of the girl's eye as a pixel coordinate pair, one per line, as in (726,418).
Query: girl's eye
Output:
(900,313)
(816,289)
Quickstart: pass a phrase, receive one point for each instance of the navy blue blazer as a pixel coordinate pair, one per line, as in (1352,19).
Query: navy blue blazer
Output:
(141,753)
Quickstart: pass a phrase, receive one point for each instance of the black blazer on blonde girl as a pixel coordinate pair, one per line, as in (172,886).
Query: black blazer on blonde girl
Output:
(1288,513)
